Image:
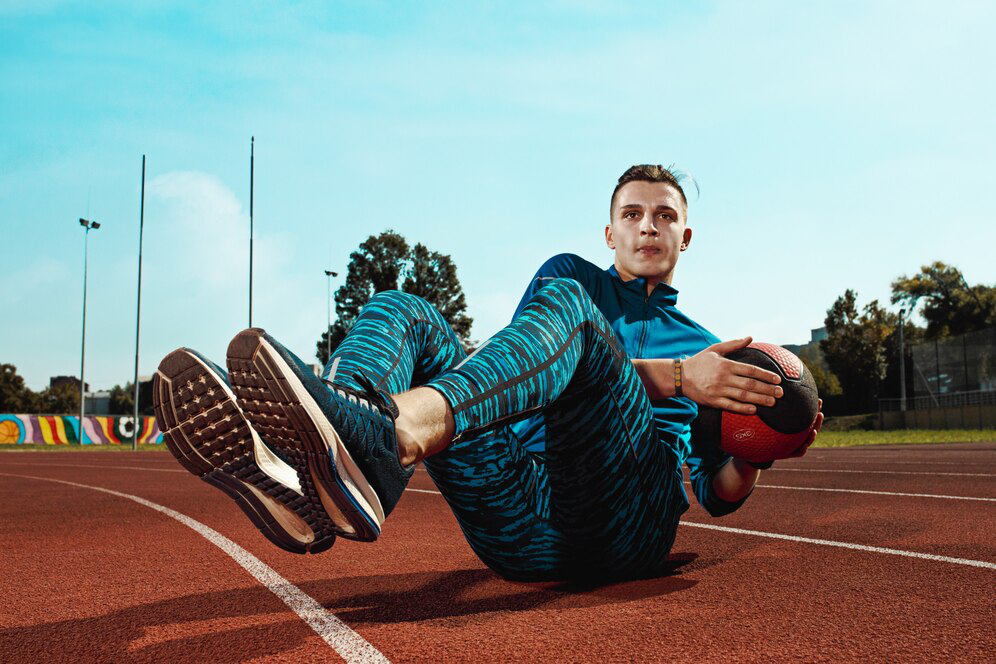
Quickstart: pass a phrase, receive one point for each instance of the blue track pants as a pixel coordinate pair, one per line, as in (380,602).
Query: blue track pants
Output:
(602,501)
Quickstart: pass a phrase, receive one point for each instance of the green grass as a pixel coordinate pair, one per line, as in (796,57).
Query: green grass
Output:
(903,437)
(81,448)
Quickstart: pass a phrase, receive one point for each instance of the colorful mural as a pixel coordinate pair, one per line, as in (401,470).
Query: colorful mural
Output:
(65,430)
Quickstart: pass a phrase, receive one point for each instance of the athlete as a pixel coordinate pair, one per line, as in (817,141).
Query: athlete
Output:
(558,444)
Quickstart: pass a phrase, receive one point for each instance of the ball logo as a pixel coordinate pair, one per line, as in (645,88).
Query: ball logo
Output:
(743,434)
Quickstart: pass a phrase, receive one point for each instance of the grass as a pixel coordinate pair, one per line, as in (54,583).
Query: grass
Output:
(903,437)
(81,448)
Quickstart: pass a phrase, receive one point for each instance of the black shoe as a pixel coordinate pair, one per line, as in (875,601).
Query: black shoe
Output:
(207,433)
(344,439)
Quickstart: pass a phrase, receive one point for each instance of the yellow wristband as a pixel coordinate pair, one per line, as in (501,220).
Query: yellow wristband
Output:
(677,378)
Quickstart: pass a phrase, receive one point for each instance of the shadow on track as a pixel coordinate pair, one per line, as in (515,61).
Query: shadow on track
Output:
(237,627)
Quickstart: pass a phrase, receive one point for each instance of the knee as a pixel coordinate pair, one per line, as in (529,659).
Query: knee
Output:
(395,298)
(568,291)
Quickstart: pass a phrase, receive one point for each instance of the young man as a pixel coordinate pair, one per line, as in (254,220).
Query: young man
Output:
(558,444)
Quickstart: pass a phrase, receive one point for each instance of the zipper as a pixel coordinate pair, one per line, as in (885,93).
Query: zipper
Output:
(643,335)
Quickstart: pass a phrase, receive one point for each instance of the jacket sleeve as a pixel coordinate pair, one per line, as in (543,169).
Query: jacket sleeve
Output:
(704,461)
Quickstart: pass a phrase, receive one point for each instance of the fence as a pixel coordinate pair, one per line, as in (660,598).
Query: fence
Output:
(966,363)
(64,430)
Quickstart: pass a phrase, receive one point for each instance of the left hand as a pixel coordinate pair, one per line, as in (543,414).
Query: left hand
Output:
(817,425)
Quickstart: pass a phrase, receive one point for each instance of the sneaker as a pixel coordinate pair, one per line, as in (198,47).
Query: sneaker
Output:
(208,434)
(343,438)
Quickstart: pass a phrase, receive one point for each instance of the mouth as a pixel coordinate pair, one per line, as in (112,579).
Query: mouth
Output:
(648,251)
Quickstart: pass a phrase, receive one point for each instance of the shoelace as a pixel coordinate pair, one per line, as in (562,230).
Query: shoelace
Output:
(370,398)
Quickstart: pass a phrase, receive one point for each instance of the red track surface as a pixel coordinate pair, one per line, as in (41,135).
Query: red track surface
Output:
(92,576)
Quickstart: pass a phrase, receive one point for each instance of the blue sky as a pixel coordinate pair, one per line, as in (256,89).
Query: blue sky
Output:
(836,144)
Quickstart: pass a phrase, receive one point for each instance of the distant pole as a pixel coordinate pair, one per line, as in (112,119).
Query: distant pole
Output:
(902,365)
(138,306)
(328,309)
(252,168)
(88,225)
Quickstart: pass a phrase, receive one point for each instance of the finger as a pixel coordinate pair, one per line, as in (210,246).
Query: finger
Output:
(756,386)
(725,347)
(818,424)
(819,405)
(734,406)
(757,373)
(746,396)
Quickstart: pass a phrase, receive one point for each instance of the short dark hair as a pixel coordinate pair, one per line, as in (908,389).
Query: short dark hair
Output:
(652,173)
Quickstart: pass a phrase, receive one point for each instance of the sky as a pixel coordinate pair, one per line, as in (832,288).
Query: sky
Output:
(835,145)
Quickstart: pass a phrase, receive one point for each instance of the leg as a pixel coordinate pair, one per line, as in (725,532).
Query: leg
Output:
(609,492)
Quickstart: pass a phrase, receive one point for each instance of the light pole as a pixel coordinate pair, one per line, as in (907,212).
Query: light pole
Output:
(328,307)
(138,308)
(88,225)
(902,364)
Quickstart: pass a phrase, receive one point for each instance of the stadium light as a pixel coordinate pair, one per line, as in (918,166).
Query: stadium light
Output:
(328,308)
(89,226)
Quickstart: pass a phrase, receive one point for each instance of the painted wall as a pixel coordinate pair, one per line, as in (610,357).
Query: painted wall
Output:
(64,430)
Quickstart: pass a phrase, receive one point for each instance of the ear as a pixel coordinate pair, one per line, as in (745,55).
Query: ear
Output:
(686,238)
(609,242)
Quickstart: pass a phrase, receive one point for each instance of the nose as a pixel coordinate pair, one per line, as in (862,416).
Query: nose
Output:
(648,227)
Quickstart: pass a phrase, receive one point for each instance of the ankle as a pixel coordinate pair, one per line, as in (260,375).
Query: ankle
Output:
(424,426)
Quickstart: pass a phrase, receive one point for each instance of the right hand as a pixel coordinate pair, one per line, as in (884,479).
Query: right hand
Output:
(709,379)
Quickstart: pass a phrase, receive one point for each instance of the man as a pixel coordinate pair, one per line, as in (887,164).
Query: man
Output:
(558,444)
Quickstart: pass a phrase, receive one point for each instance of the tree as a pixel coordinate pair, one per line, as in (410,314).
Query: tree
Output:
(856,349)
(122,400)
(15,396)
(386,262)
(950,305)
(61,399)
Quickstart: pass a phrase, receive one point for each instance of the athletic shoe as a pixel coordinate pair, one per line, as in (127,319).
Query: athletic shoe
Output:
(344,438)
(208,434)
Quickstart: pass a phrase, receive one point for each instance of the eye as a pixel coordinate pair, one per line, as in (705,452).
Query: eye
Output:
(629,215)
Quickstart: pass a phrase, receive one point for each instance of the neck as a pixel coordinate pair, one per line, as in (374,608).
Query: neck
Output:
(651,281)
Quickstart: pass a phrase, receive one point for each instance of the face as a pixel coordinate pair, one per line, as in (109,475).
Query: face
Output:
(647,231)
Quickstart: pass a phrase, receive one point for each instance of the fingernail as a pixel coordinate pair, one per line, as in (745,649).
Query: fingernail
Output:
(779,392)
(771,402)
(751,409)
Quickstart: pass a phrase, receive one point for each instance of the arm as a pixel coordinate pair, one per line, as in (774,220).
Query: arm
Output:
(709,379)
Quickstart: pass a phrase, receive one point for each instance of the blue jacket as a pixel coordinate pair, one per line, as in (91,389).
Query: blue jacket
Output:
(648,327)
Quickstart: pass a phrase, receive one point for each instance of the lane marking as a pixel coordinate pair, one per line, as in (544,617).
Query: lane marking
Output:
(823,542)
(843,545)
(884,461)
(876,472)
(348,644)
(876,493)
(84,465)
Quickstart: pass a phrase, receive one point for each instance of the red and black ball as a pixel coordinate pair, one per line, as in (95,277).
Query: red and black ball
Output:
(773,432)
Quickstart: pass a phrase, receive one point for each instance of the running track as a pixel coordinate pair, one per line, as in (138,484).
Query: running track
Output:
(91,575)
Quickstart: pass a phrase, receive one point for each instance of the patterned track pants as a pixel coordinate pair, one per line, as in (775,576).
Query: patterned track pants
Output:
(603,501)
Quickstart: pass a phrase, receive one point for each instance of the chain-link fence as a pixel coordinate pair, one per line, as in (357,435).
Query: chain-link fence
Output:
(966,363)
(951,383)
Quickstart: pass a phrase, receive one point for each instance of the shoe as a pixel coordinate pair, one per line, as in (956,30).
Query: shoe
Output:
(345,439)
(208,434)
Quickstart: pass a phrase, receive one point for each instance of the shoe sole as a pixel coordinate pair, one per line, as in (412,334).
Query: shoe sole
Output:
(282,410)
(205,431)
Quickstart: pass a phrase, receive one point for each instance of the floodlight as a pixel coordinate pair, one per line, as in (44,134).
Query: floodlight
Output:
(95,225)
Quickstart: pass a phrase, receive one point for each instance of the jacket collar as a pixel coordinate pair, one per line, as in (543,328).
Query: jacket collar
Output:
(662,294)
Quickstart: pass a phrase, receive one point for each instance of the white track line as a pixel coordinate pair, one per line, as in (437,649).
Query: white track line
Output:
(85,465)
(348,644)
(876,493)
(876,472)
(843,545)
(808,540)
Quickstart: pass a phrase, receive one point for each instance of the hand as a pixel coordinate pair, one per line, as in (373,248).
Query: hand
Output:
(817,425)
(710,379)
